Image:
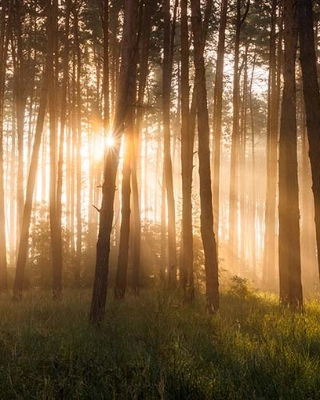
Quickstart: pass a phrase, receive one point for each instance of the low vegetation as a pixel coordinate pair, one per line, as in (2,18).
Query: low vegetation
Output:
(154,347)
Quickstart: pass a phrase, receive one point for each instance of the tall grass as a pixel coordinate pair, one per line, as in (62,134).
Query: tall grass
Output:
(153,347)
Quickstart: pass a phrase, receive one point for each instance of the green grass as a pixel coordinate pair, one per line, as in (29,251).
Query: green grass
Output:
(152,347)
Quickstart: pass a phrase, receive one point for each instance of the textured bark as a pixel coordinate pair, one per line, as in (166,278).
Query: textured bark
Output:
(308,61)
(206,219)
(110,170)
(289,231)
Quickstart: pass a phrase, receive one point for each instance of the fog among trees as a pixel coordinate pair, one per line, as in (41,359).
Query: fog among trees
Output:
(159,143)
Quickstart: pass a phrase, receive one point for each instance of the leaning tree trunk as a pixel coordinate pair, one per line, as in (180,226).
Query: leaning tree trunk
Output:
(207,233)
(289,231)
(24,236)
(110,169)
(308,61)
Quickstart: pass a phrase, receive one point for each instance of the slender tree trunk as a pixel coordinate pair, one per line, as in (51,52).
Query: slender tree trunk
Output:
(308,61)
(123,256)
(187,142)
(289,231)
(167,163)
(269,256)
(207,233)
(233,195)
(24,236)
(20,98)
(4,38)
(217,116)
(110,169)
(147,12)
(55,223)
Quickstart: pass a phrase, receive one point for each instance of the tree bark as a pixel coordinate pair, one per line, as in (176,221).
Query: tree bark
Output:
(110,169)
(308,60)
(289,231)
(206,219)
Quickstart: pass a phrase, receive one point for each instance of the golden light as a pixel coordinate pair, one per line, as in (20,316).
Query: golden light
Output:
(110,141)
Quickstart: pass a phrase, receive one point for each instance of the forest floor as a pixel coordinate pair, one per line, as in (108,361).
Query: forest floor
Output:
(152,347)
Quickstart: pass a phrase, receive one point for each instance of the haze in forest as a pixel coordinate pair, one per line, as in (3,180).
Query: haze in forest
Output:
(211,171)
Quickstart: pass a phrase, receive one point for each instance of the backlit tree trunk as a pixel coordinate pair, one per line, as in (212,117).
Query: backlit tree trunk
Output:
(110,169)
(4,38)
(217,115)
(308,61)
(167,162)
(187,141)
(289,231)
(206,219)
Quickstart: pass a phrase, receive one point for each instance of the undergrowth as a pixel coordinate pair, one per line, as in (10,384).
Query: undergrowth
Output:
(154,347)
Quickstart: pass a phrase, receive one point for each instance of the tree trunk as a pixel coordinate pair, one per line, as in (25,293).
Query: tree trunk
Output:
(289,231)
(187,142)
(24,236)
(110,169)
(233,194)
(206,219)
(4,38)
(308,61)
(269,255)
(217,116)
(167,162)
(55,223)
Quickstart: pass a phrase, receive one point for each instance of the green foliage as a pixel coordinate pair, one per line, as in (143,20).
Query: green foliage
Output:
(153,348)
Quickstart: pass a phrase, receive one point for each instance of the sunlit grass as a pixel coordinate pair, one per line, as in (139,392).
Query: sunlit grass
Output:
(153,347)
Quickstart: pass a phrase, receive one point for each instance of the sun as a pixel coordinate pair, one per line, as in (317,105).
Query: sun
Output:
(110,141)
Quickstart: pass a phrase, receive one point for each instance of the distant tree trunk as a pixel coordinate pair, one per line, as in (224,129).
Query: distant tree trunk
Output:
(4,38)
(167,162)
(217,116)
(57,271)
(77,150)
(253,182)
(308,61)
(233,195)
(104,16)
(289,231)
(24,236)
(55,223)
(269,255)
(110,169)
(20,99)
(123,256)
(243,196)
(147,12)
(187,142)
(207,233)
